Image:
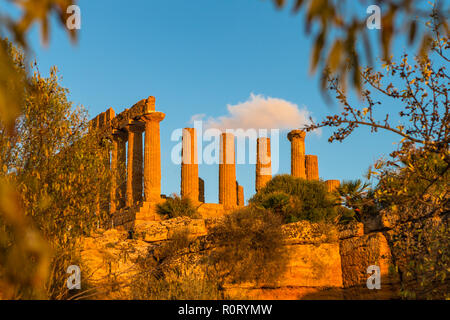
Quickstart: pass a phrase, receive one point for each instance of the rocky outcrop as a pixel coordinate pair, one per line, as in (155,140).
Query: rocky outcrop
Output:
(325,262)
(357,254)
(153,231)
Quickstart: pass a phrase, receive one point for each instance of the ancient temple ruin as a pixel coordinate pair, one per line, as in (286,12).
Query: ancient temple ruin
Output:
(135,160)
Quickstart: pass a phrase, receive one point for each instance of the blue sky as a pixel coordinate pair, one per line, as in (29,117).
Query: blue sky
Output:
(197,57)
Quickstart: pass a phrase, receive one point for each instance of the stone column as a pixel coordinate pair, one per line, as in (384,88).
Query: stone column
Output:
(297,139)
(152,156)
(332,185)
(114,160)
(201,190)
(122,170)
(134,164)
(263,163)
(138,166)
(240,195)
(312,167)
(227,171)
(189,165)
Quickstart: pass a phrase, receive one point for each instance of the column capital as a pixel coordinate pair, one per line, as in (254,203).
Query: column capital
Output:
(156,116)
(296,134)
(119,134)
(134,126)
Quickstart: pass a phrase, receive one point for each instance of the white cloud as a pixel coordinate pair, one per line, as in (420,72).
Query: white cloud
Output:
(260,112)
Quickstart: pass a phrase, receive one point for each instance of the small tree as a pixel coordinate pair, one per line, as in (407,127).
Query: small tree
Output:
(60,171)
(175,206)
(413,183)
(357,196)
(424,116)
(248,247)
(167,273)
(297,199)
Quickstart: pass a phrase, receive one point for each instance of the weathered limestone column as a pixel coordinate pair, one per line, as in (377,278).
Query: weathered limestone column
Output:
(332,185)
(297,139)
(227,171)
(263,163)
(239,195)
(201,190)
(189,165)
(152,156)
(118,170)
(312,167)
(113,168)
(134,164)
(122,170)
(138,166)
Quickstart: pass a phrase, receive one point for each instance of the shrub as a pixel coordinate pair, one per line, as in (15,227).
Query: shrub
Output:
(175,206)
(166,274)
(297,199)
(54,177)
(249,247)
(357,201)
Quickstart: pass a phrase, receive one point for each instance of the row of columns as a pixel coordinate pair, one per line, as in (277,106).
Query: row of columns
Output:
(227,171)
(302,166)
(143,162)
(306,166)
(231,194)
(190,183)
(143,166)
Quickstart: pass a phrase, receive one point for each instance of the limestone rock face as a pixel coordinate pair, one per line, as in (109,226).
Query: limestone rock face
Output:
(313,266)
(304,232)
(325,262)
(108,257)
(357,254)
(152,231)
(350,230)
(211,210)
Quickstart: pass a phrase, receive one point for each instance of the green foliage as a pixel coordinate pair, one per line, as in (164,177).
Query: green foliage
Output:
(419,176)
(342,40)
(249,247)
(175,206)
(296,199)
(422,255)
(415,195)
(412,193)
(58,170)
(12,78)
(357,196)
(24,253)
(165,275)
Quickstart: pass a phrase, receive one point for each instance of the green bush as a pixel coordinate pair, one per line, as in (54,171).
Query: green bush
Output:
(297,199)
(175,206)
(248,247)
(166,273)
